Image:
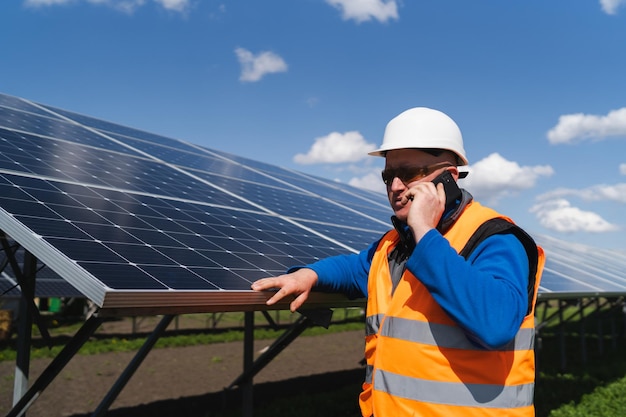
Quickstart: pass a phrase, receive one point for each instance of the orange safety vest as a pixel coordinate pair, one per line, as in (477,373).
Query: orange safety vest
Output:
(420,362)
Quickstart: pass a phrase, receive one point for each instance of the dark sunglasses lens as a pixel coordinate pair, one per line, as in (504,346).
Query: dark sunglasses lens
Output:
(401,173)
(389,175)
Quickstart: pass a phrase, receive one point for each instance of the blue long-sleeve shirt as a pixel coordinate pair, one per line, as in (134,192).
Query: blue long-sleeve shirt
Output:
(485,294)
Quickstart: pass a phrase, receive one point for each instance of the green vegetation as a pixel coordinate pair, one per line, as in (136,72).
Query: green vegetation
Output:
(581,360)
(609,400)
(207,330)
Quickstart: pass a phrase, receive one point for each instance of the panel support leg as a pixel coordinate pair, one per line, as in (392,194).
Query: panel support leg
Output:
(24,332)
(56,366)
(251,368)
(133,366)
(246,385)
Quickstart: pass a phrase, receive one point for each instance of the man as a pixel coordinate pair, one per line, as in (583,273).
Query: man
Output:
(450,290)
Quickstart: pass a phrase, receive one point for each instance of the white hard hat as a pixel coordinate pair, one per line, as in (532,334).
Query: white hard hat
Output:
(422,128)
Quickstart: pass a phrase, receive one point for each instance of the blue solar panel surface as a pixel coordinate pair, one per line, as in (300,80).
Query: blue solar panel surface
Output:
(125,215)
(131,219)
(574,270)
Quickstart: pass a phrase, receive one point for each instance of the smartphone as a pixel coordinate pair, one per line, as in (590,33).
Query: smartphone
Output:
(453,192)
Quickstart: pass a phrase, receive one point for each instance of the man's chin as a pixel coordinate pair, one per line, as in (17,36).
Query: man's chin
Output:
(401,215)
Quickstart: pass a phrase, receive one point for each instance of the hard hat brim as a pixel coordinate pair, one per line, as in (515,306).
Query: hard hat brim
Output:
(383,150)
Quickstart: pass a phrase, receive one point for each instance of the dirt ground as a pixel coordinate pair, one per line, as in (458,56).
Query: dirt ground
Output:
(189,381)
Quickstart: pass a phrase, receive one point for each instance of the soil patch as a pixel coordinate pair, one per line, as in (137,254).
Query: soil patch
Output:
(190,381)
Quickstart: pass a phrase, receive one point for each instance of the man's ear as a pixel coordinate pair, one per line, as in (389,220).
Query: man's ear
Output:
(455,172)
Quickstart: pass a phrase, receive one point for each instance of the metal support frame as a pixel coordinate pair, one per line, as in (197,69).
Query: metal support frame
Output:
(307,319)
(246,383)
(68,352)
(29,314)
(251,367)
(24,333)
(56,366)
(580,312)
(132,367)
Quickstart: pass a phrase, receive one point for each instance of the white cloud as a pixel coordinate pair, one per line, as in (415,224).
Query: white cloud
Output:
(43,3)
(371,181)
(126,6)
(602,192)
(365,10)
(255,67)
(611,6)
(622,169)
(559,215)
(336,148)
(174,5)
(577,127)
(494,177)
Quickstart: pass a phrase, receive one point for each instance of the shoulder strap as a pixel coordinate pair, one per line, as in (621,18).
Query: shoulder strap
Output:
(502,226)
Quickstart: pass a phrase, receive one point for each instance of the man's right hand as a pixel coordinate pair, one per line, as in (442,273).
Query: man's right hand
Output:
(298,283)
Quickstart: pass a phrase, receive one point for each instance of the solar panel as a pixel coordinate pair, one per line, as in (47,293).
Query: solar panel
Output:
(574,270)
(137,221)
(134,220)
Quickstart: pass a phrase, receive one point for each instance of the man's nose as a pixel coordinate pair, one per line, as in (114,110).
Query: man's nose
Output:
(397,184)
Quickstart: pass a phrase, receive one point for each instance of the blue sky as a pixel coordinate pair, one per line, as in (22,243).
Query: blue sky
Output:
(537,87)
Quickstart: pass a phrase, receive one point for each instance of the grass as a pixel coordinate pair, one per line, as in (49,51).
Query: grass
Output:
(227,329)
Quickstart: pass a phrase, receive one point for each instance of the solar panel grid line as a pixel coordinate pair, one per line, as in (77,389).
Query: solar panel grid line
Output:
(581,283)
(576,270)
(285,184)
(223,190)
(58,242)
(590,271)
(300,189)
(372,199)
(297,205)
(62,134)
(67,166)
(57,210)
(100,221)
(110,188)
(19,103)
(118,129)
(609,262)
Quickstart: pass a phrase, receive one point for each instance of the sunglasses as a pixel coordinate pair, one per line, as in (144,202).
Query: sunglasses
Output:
(410,174)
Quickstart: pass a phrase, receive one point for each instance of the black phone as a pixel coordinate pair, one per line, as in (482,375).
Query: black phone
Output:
(453,192)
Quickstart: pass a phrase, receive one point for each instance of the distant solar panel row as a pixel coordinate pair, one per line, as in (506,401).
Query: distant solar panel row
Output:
(137,220)
(573,270)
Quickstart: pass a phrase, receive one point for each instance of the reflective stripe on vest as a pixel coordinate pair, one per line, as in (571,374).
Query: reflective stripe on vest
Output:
(435,334)
(445,336)
(450,393)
